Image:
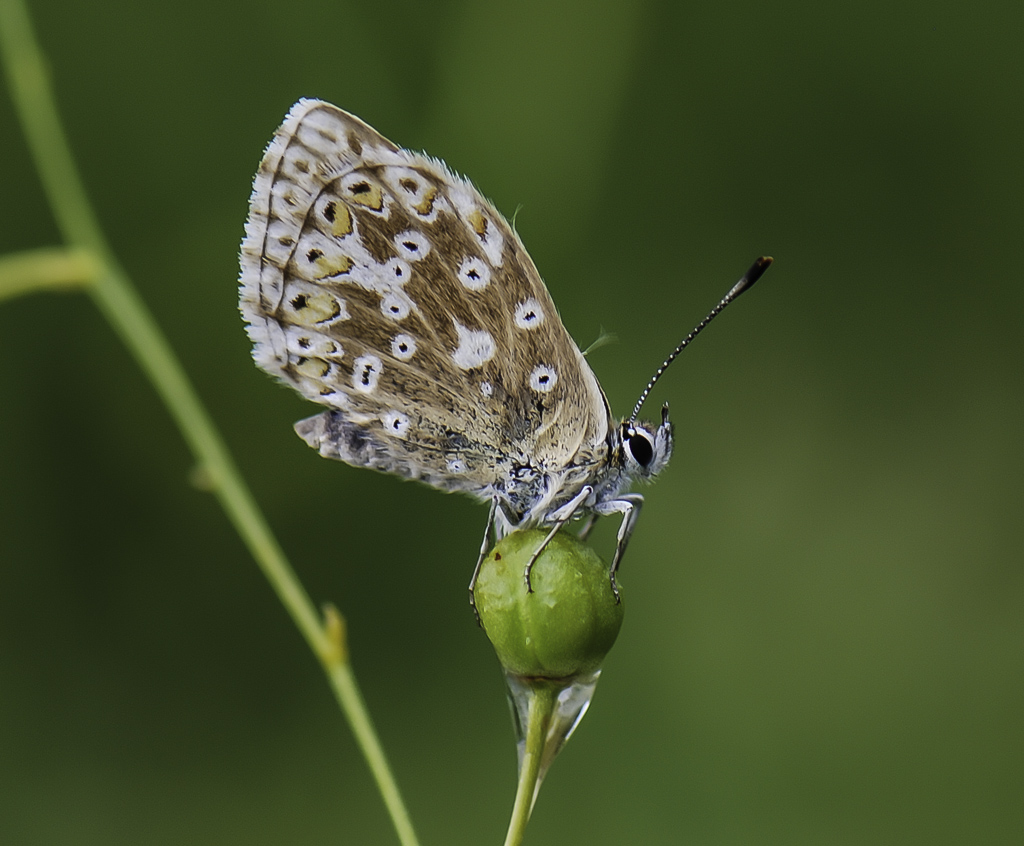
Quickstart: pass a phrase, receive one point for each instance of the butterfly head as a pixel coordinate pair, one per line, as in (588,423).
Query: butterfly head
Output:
(646,448)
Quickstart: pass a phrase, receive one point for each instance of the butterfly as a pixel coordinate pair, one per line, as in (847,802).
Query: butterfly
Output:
(380,284)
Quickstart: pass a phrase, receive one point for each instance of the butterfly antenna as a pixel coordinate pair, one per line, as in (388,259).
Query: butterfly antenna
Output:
(757,269)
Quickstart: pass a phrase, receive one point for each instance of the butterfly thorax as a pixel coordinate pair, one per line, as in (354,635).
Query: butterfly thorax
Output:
(633,451)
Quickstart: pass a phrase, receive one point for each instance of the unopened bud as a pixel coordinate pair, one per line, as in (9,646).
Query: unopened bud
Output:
(566,625)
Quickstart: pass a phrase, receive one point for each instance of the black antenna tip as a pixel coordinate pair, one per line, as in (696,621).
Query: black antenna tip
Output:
(759,267)
(755,272)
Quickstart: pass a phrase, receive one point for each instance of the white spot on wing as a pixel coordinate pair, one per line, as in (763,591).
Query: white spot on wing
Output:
(397,271)
(476,347)
(395,305)
(487,389)
(412,245)
(305,342)
(403,347)
(474,273)
(395,422)
(543,378)
(529,314)
(365,372)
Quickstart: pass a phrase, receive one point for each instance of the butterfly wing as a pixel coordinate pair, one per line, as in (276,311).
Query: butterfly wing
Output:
(378,283)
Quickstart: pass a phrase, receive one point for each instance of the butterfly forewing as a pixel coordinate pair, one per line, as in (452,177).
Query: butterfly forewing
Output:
(379,284)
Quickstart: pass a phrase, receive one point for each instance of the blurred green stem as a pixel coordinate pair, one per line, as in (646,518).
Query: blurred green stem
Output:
(117,299)
(49,268)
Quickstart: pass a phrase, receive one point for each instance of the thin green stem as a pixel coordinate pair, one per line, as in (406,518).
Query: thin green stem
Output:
(346,691)
(46,269)
(117,299)
(542,707)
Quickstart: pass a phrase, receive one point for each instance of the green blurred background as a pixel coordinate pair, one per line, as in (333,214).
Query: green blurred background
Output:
(824,636)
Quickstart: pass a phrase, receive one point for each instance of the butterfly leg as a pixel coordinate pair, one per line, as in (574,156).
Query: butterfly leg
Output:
(588,525)
(628,505)
(485,546)
(562,516)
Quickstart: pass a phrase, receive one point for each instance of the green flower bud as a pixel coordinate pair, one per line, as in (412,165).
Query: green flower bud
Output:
(566,626)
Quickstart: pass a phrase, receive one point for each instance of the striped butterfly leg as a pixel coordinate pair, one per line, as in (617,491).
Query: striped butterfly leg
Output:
(628,505)
(562,516)
(489,530)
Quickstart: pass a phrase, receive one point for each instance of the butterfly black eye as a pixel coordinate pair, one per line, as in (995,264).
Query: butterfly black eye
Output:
(640,447)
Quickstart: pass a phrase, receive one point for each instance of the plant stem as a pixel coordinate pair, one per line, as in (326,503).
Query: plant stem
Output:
(542,707)
(119,302)
(46,269)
